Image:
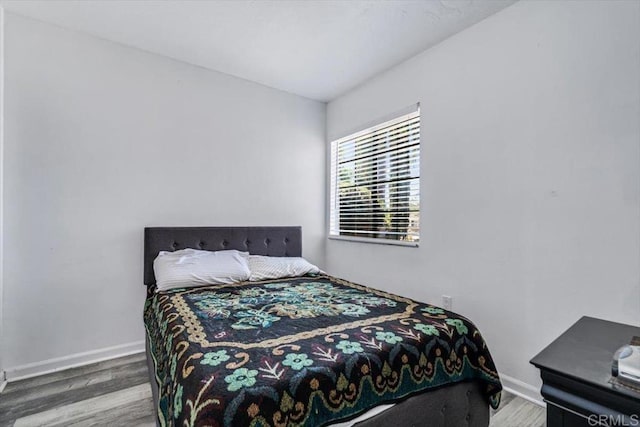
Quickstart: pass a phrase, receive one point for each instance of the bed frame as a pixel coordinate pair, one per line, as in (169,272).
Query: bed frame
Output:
(462,404)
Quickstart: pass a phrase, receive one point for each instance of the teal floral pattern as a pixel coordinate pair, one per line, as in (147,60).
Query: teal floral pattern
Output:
(241,377)
(174,366)
(251,319)
(427,329)
(262,307)
(276,285)
(372,301)
(388,337)
(297,361)
(177,401)
(214,358)
(352,309)
(433,310)
(461,328)
(349,347)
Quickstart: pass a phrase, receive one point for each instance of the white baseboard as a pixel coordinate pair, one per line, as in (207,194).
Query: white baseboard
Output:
(72,361)
(522,389)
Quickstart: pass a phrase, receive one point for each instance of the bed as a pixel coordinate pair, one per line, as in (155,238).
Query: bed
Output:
(312,350)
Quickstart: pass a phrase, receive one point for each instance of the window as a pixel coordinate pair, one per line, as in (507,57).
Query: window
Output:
(375,183)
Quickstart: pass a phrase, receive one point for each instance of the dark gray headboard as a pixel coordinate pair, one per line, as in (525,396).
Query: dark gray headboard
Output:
(272,241)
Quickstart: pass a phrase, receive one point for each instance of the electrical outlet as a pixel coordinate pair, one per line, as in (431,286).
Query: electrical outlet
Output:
(447,302)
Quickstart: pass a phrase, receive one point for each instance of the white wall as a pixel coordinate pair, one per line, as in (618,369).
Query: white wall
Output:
(530,174)
(2,379)
(102,140)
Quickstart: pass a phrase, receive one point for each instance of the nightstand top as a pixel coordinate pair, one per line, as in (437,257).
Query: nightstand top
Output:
(585,352)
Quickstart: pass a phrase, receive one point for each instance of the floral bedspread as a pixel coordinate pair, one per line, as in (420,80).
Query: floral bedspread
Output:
(302,351)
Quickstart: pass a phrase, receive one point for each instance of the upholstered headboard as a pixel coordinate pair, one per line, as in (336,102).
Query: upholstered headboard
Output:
(272,241)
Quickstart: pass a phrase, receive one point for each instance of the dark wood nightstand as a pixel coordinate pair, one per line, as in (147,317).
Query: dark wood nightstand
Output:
(576,374)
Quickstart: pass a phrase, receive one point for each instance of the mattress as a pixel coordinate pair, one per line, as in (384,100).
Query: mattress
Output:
(310,350)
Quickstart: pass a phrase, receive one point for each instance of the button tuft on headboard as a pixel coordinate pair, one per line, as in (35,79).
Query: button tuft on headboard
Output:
(224,244)
(266,242)
(175,245)
(247,242)
(286,240)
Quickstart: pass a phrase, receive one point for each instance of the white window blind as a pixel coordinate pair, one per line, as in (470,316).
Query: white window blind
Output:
(375,182)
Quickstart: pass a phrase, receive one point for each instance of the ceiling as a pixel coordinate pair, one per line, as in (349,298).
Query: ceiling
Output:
(317,48)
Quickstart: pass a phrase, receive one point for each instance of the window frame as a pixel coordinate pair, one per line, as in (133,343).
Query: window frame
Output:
(389,120)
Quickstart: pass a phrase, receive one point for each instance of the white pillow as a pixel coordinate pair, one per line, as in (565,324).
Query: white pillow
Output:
(267,267)
(187,268)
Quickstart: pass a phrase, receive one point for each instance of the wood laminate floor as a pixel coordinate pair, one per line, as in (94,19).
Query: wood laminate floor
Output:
(117,393)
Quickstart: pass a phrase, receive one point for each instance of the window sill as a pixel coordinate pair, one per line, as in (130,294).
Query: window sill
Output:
(375,241)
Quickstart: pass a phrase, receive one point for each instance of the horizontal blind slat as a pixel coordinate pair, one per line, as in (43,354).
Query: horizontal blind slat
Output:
(388,142)
(377,185)
(365,141)
(377,232)
(383,162)
(395,149)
